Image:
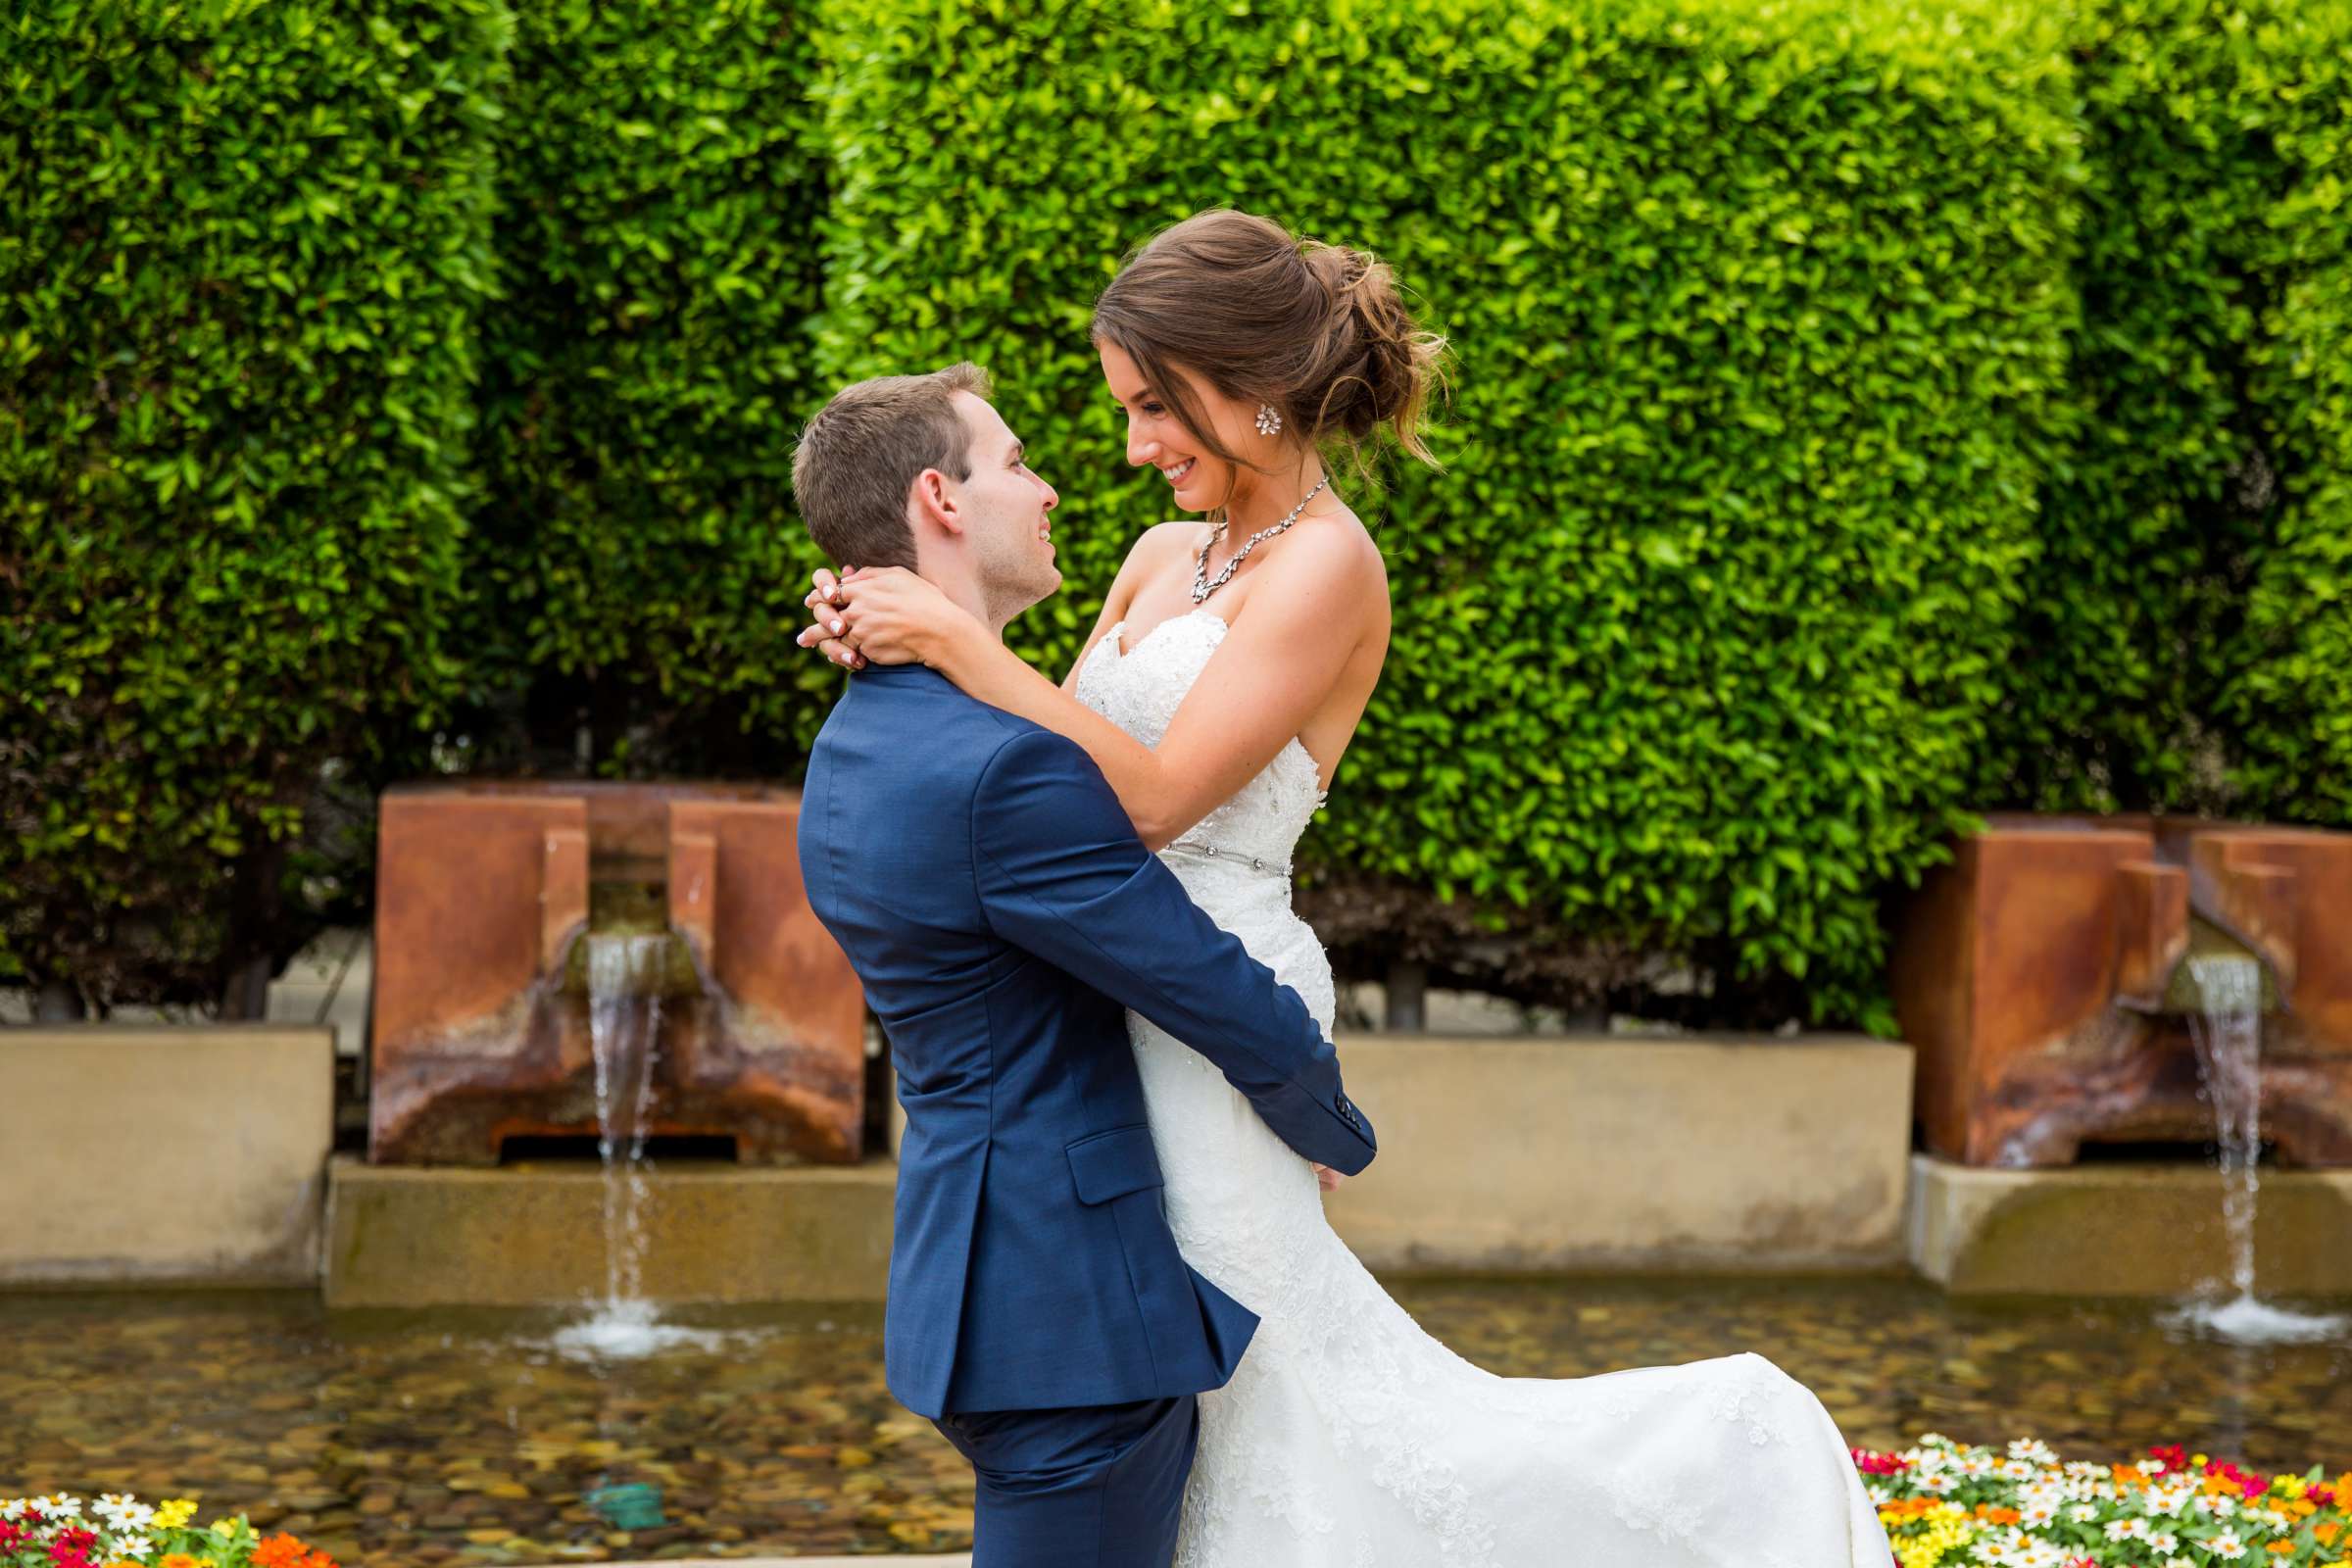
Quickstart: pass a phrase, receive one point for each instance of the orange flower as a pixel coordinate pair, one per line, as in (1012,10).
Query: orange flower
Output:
(176,1559)
(1996,1516)
(2325,1534)
(2128,1473)
(2281,1546)
(280,1551)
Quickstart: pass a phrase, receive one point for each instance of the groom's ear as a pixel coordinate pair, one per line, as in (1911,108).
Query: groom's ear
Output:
(936,503)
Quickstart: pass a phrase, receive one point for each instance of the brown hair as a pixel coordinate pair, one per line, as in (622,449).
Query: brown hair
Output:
(1317,331)
(861,452)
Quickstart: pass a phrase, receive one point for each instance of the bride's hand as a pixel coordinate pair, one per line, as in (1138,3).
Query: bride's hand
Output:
(884,616)
(1328,1179)
(823,602)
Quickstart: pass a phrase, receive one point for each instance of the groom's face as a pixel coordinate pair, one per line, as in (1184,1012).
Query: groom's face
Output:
(1009,533)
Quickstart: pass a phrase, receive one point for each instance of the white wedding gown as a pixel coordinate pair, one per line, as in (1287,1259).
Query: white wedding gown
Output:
(1349,1439)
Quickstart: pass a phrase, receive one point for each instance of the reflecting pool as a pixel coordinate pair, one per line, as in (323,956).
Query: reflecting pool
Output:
(435,1437)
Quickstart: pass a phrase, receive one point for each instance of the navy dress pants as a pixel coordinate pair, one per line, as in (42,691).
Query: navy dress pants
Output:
(1091,1487)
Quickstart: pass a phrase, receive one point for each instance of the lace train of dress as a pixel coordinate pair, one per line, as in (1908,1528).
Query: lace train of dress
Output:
(1349,1439)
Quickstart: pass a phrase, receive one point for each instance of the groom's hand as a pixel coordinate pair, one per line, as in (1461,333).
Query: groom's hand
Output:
(1328,1178)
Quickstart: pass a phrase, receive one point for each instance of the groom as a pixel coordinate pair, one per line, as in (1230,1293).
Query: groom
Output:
(996,902)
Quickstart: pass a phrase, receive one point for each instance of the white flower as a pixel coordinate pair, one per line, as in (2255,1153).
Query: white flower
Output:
(1941,1482)
(2032,1449)
(2037,1512)
(135,1546)
(123,1511)
(1880,1495)
(2227,1545)
(2164,1541)
(2082,1513)
(2017,1469)
(2084,1467)
(2126,1528)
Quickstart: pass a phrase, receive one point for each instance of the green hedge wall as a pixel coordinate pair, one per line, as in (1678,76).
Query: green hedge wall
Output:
(1861,414)
(245,248)
(1760,324)
(2289,707)
(637,561)
(2176,634)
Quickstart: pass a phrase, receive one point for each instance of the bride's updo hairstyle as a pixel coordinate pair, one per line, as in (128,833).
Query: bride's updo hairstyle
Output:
(1316,331)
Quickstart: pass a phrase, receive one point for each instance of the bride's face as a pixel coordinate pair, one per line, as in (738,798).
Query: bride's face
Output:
(1198,478)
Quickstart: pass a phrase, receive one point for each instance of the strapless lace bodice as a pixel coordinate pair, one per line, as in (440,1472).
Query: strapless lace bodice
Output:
(1139,688)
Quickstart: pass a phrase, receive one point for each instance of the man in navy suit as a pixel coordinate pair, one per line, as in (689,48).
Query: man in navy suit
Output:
(996,902)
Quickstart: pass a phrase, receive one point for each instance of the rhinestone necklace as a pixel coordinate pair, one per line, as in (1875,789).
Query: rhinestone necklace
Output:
(1202,586)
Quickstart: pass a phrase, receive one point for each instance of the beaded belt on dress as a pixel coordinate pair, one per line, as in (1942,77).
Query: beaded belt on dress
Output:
(1225,857)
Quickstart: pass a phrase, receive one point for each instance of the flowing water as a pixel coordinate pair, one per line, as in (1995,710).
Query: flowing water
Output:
(2228,1033)
(624,1030)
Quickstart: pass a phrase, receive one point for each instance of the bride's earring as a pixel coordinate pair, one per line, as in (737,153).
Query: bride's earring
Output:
(1269,421)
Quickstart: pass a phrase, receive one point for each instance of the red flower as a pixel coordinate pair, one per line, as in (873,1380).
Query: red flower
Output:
(2175,1457)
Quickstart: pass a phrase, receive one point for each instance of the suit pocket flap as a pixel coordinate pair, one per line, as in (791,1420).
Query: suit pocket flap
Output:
(1114,1164)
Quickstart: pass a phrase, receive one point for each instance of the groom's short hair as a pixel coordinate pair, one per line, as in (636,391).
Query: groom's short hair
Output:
(863,452)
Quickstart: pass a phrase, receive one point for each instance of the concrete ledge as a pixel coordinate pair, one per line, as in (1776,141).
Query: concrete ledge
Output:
(1539,1155)
(2122,1230)
(163,1154)
(534,1235)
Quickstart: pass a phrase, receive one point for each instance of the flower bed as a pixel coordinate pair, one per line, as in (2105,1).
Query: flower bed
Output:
(1946,1504)
(122,1532)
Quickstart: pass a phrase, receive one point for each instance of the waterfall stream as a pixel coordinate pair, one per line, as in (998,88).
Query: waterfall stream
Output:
(624,1031)
(2228,1033)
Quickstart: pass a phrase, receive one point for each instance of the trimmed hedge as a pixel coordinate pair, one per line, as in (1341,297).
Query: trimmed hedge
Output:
(2189,604)
(2290,705)
(1761,323)
(638,563)
(245,248)
(1859,416)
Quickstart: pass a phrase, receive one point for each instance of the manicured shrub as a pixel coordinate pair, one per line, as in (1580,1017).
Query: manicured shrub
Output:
(2189,597)
(635,557)
(2289,705)
(1760,320)
(245,248)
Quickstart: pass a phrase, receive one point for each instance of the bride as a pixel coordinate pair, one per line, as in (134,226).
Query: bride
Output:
(1218,691)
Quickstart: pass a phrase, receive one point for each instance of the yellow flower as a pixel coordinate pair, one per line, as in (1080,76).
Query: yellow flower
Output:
(177,1512)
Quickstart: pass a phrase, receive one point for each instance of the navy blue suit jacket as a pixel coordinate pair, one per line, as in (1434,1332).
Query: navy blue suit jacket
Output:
(993,897)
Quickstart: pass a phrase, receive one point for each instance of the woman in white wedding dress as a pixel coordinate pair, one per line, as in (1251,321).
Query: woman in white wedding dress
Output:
(1222,683)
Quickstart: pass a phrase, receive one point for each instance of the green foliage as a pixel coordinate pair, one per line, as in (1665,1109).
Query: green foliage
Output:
(2289,705)
(1861,412)
(245,248)
(2189,539)
(1760,320)
(635,552)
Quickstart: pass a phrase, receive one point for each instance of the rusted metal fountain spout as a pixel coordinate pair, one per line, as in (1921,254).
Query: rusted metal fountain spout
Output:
(2050,978)
(490,898)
